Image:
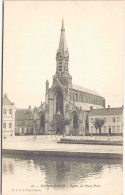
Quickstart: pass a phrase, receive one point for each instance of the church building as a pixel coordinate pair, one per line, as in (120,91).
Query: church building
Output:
(66,105)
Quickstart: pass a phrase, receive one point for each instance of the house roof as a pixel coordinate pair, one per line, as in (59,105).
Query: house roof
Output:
(6,101)
(86,106)
(85,90)
(23,114)
(106,111)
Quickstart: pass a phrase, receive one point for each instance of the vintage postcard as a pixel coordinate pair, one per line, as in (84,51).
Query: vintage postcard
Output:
(62,102)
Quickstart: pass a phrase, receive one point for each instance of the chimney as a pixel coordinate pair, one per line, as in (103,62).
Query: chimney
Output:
(108,106)
(91,108)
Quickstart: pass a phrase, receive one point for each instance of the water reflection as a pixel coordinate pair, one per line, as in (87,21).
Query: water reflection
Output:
(56,170)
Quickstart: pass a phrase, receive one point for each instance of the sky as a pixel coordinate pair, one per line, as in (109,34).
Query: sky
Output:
(95,40)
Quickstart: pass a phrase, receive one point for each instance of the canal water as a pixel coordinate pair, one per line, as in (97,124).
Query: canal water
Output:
(35,175)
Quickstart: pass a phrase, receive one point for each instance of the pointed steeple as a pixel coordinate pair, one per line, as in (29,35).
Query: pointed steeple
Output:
(62,59)
(62,44)
(63,24)
(62,56)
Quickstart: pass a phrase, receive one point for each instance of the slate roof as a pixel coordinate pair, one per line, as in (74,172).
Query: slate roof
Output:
(85,90)
(23,114)
(106,111)
(86,106)
(6,101)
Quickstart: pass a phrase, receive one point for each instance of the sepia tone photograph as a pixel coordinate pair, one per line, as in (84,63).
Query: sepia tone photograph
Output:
(62,97)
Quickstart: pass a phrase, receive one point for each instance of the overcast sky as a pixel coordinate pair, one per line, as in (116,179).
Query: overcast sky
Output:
(94,35)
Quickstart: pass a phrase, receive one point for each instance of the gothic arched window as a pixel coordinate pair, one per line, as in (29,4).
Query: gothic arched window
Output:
(59,102)
(75,121)
(42,121)
(76,97)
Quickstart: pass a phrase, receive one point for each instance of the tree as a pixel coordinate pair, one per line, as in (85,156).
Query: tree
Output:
(98,123)
(52,123)
(59,121)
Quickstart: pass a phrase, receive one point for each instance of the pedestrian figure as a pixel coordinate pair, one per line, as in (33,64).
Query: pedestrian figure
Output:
(34,138)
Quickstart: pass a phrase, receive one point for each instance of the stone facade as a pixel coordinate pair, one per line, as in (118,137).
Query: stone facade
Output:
(66,100)
(8,117)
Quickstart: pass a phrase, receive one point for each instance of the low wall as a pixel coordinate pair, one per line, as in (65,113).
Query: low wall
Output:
(63,154)
(104,134)
(90,142)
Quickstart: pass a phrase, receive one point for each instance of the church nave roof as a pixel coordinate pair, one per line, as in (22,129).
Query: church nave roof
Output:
(85,90)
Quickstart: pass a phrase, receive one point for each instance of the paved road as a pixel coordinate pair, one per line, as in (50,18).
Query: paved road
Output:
(44,143)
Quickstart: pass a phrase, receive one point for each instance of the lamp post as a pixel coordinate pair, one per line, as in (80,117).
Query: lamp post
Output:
(34,121)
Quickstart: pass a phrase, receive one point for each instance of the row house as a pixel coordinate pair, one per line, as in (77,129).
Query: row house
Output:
(8,117)
(113,120)
(24,121)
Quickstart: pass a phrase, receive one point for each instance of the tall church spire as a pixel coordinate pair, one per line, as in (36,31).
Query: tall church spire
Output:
(62,56)
(62,59)
(62,44)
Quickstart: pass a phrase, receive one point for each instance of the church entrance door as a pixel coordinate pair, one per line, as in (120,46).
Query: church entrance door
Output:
(58,130)
(59,126)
